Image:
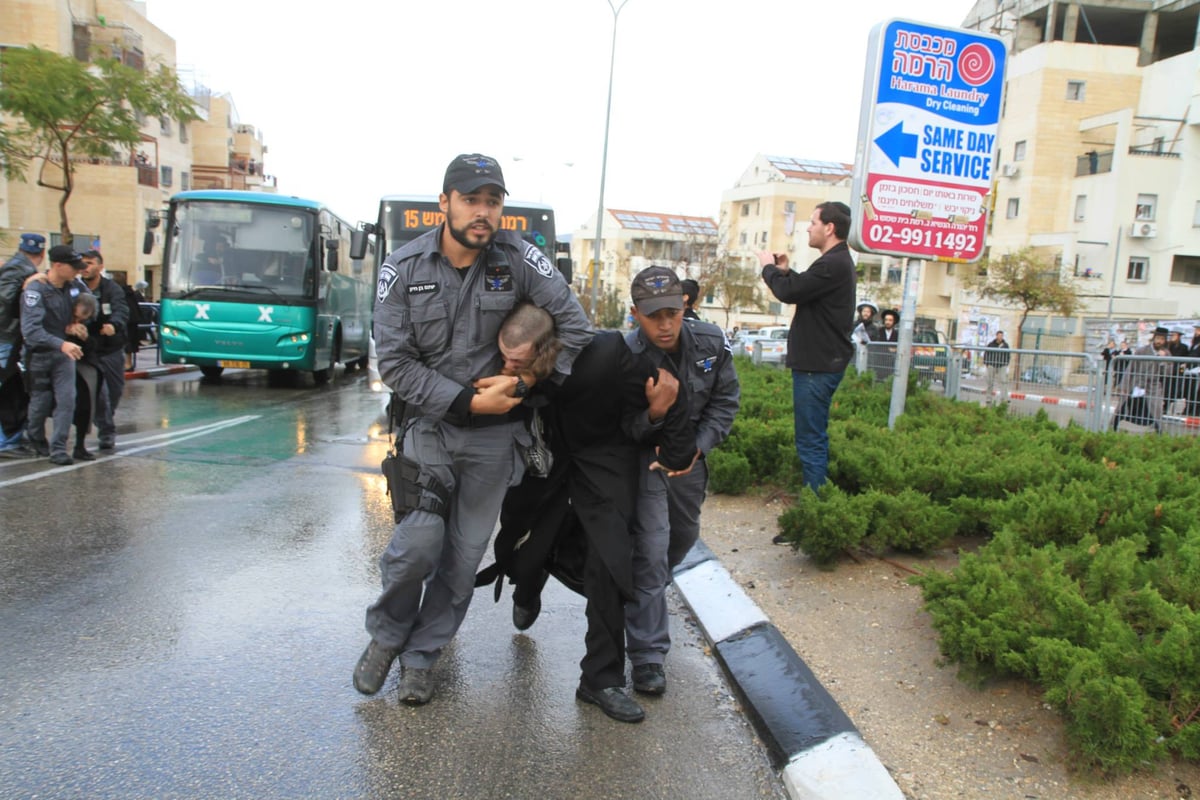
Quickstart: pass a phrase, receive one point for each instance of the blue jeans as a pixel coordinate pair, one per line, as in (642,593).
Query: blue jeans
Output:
(812,393)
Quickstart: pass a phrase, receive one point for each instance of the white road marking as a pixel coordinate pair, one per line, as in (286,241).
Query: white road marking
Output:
(156,441)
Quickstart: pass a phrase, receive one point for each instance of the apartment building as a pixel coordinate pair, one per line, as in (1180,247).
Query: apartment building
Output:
(118,202)
(630,241)
(1099,160)
(769,208)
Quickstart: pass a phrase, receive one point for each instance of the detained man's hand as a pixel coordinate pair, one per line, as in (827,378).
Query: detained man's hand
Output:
(494,395)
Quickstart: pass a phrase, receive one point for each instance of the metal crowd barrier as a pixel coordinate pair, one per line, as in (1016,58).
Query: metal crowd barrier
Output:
(1069,387)
(1153,393)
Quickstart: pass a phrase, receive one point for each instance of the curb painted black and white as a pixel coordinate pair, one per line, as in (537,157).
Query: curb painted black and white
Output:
(154,372)
(806,733)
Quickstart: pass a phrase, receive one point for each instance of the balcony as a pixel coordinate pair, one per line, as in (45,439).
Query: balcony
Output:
(1153,151)
(1093,163)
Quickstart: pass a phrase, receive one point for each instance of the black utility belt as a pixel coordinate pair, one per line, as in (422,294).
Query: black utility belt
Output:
(483,420)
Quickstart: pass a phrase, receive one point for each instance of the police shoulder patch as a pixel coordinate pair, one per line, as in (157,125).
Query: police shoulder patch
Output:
(32,298)
(387,277)
(537,259)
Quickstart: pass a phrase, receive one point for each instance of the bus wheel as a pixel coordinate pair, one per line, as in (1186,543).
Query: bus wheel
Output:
(321,376)
(211,372)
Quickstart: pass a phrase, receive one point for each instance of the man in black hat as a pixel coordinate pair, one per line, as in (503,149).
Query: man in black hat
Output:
(47,309)
(1141,386)
(438,308)
(13,397)
(667,522)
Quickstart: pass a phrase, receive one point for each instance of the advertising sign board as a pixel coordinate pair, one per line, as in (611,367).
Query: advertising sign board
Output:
(927,141)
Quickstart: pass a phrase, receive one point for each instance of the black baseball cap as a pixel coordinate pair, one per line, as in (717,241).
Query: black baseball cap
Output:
(656,288)
(470,172)
(65,254)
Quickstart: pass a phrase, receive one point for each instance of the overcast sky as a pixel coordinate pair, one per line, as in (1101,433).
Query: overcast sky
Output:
(361,98)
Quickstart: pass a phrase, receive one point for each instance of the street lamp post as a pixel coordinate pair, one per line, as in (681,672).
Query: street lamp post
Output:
(604,166)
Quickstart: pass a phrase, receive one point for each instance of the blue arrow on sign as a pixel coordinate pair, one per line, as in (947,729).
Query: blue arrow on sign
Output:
(896,144)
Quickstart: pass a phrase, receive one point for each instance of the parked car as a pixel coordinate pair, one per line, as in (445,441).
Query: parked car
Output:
(930,354)
(774,336)
(1043,373)
(773,343)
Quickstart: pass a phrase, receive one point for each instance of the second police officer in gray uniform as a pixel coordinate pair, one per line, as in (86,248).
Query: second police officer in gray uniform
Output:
(668,507)
(440,302)
(46,311)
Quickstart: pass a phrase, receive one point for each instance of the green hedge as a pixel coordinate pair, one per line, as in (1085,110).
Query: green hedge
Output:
(1088,578)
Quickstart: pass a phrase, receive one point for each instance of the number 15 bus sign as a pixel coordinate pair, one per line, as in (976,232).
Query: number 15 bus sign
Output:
(927,141)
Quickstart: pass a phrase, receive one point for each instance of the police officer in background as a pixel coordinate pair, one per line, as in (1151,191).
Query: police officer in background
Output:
(440,301)
(110,328)
(667,521)
(691,293)
(13,397)
(46,312)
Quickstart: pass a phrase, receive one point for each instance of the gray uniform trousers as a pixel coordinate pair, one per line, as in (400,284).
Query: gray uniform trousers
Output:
(477,465)
(112,379)
(52,386)
(666,527)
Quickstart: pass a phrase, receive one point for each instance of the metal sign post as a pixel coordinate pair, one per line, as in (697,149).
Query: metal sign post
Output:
(926,150)
(908,312)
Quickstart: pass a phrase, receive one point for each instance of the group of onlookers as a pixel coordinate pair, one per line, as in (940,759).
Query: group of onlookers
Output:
(1149,388)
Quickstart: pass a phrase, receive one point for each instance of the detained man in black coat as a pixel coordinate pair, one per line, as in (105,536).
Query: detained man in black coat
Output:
(577,520)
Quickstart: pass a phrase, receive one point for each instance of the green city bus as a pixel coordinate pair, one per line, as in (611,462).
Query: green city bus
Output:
(259,281)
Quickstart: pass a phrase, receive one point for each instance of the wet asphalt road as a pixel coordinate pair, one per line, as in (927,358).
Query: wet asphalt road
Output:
(181,620)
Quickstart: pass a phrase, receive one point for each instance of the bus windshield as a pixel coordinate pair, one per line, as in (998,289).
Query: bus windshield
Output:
(241,248)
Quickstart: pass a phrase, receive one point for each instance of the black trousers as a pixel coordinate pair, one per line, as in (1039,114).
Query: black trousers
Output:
(603,663)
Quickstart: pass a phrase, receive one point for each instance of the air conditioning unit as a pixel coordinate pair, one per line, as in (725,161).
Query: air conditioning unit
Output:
(1010,170)
(1143,230)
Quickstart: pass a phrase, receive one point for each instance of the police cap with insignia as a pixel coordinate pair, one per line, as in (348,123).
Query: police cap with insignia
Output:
(65,254)
(656,288)
(471,172)
(32,243)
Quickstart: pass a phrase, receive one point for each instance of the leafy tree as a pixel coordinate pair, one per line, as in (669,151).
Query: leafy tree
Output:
(59,109)
(1027,281)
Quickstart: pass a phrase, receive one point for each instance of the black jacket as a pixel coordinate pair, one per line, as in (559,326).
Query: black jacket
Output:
(589,497)
(819,339)
(996,359)
(112,309)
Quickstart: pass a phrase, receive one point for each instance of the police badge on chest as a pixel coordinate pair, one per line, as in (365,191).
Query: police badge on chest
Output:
(497,278)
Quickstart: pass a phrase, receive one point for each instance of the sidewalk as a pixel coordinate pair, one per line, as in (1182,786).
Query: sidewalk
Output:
(147,365)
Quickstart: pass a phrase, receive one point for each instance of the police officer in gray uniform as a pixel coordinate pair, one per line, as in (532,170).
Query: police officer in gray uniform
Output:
(13,398)
(110,329)
(668,508)
(46,311)
(441,299)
